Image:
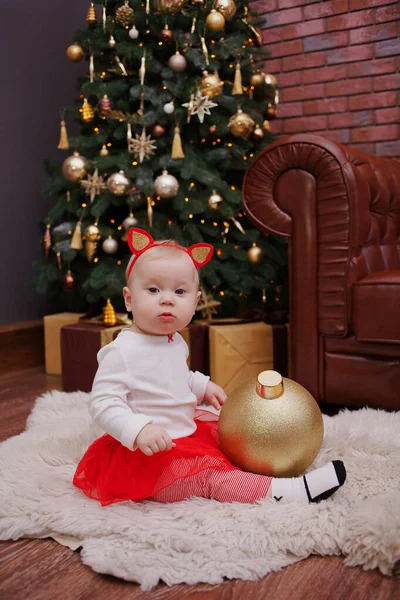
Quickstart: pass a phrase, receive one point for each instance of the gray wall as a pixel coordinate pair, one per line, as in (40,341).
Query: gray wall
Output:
(37,79)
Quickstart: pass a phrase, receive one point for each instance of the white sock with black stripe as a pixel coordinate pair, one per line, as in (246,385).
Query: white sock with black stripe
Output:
(313,487)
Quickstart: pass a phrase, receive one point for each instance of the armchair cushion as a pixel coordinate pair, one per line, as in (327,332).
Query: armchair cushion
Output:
(376,307)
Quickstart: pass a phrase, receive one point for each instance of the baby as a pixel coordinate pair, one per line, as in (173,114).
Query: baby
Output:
(158,445)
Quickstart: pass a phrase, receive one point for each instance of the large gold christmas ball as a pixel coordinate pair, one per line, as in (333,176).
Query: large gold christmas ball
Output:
(270,79)
(166,185)
(256,79)
(226,7)
(168,7)
(211,85)
(271,426)
(119,184)
(73,167)
(215,21)
(75,53)
(255,254)
(241,124)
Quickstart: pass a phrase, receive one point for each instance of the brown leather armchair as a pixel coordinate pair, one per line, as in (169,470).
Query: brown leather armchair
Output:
(340,210)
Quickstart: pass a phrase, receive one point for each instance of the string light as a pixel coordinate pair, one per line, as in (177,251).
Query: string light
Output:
(134,163)
(222,293)
(69,232)
(84,205)
(119,263)
(186,199)
(96,260)
(190,216)
(112,221)
(233,188)
(119,227)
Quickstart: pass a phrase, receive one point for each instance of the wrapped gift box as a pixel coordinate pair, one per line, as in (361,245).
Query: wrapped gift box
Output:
(239,352)
(52,344)
(80,343)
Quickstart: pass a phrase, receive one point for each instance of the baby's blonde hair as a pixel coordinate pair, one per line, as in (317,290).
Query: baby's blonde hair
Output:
(159,251)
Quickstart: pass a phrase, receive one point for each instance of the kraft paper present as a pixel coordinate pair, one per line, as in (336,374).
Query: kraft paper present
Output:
(239,352)
(52,344)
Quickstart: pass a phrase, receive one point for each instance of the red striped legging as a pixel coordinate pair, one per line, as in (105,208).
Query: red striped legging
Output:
(224,486)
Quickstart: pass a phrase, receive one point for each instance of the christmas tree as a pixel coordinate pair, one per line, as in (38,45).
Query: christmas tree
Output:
(173,109)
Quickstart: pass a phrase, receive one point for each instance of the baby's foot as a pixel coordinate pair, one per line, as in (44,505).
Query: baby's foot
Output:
(313,487)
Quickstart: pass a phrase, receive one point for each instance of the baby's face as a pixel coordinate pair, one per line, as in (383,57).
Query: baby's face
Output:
(162,293)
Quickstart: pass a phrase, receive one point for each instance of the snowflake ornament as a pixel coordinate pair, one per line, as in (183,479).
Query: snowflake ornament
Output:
(201,106)
(93,185)
(142,146)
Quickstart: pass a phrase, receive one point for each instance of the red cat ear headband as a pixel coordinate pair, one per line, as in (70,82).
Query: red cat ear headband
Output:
(139,241)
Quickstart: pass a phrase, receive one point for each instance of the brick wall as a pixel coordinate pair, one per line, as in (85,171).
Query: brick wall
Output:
(338,62)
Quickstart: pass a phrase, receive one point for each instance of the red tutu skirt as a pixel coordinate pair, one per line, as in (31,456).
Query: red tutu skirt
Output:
(110,472)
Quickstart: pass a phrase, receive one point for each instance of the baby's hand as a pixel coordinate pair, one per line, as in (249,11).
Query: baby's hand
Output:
(153,439)
(215,395)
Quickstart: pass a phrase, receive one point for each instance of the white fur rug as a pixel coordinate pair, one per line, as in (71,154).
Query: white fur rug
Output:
(201,540)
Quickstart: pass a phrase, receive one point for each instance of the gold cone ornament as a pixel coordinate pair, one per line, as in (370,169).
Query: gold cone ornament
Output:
(110,318)
(271,425)
(76,242)
(237,82)
(91,17)
(92,238)
(124,14)
(87,112)
(63,143)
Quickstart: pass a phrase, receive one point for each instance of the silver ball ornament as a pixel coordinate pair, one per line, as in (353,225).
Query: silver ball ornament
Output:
(110,246)
(166,185)
(129,222)
(119,184)
(133,33)
(169,108)
(177,62)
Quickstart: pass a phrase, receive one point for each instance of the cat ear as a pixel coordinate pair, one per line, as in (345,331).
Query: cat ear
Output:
(138,240)
(201,253)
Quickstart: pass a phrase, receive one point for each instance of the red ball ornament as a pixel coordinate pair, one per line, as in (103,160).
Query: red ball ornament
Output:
(166,35)
(68,281)
(271,112)
(212,129)
(158,131)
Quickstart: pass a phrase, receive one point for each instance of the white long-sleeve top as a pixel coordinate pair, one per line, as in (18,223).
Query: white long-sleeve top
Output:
(145,379)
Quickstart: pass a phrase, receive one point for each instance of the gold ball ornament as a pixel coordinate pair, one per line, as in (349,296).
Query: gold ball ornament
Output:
(226,7)
(271,425)
(215,21)
(266,125)
(168,7)
(256,79)
(211,85)
(166,185)
(119,184)
(215,200)
(255,254)
(74,167)
(104,151)
(75,53)
(241,124)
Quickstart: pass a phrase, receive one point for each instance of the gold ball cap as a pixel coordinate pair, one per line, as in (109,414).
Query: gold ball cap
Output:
(269,384)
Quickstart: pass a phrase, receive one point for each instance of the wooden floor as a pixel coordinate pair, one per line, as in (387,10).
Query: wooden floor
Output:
(43,570)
